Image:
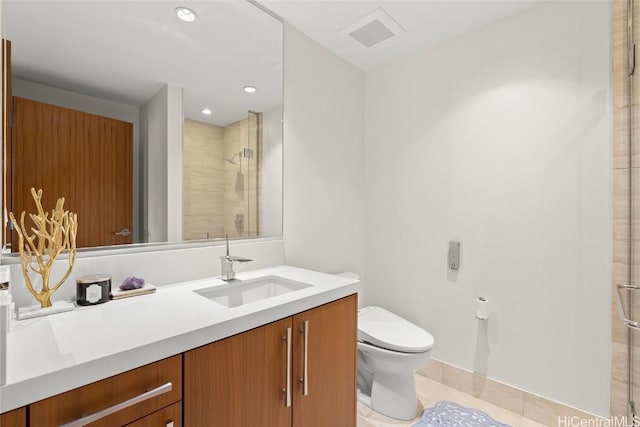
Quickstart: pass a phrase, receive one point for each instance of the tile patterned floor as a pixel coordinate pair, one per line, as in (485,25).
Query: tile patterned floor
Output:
(430,392)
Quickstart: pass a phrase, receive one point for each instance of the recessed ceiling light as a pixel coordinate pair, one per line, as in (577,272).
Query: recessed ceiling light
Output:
(206,111)
(249,89)
(186,14)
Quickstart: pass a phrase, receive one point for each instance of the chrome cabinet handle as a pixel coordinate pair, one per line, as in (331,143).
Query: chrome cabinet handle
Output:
(305,377)
(83,421)
(124,232)
(287,388)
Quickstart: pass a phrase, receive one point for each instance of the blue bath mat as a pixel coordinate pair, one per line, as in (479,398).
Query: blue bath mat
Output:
(450,414)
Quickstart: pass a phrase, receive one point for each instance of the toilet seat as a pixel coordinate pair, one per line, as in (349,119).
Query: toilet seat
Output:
(384,329)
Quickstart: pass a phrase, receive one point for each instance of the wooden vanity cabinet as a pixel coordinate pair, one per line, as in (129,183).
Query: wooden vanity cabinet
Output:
(332,332)
(15,418)
(241,381)
(157,409)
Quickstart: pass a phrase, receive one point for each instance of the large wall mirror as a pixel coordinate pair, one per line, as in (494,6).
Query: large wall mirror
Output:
(153,128)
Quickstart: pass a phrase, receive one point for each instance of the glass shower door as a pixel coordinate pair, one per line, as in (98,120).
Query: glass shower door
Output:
(625,354)
(254,173)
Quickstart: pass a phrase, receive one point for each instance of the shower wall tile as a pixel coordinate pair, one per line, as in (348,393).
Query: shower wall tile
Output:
(216,190)
(620,273)
(635,312)
(620,84)
(618,329)
(233,179)
(241,187)
(199,217)
(619,53)
(619,18)
(203,191)
(620,235)
(254,138)
(620,145)
(619,359)
(619,90)
(621,193)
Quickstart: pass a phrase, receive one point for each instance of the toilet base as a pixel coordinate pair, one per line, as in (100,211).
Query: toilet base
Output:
(393,394)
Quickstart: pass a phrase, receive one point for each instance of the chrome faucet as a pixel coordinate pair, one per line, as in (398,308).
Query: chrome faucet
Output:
(226,266)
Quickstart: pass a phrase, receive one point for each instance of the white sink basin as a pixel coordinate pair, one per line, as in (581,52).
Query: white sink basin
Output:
(240,292)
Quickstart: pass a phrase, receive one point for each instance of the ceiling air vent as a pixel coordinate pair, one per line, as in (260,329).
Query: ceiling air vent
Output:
(373,28)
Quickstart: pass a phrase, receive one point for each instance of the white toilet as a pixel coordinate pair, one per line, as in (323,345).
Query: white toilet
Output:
(390,349)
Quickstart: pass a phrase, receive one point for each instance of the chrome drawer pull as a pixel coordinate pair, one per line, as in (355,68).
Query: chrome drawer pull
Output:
(287,388)
(305,371)
(83,421)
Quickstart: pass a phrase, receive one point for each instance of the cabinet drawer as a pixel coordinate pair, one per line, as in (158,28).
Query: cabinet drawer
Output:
(15,418)
(162,418)
(101,395)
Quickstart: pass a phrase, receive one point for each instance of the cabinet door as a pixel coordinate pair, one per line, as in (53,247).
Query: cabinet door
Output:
(238,381)
(15,418)
(331,333)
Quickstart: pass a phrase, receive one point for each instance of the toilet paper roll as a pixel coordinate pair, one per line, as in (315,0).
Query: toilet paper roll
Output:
(482,308)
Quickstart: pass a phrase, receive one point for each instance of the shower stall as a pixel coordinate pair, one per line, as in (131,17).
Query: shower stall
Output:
(625,379)
(222,185)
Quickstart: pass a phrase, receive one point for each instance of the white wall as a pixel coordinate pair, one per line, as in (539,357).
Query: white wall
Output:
(161,136)
(154,140)
(272,153)
(500,139)
(158,268)
(174,164)
(323,162)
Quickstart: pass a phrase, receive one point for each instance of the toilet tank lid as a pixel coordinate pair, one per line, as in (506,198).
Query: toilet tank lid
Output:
(384,329)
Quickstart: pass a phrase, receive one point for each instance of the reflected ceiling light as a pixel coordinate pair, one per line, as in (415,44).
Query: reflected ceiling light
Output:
(206,111)
(249,89)
(186,14)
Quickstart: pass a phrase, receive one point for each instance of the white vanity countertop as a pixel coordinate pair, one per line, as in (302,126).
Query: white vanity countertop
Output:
(53,354)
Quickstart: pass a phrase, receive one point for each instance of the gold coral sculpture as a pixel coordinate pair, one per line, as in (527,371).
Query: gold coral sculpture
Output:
(51,236)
